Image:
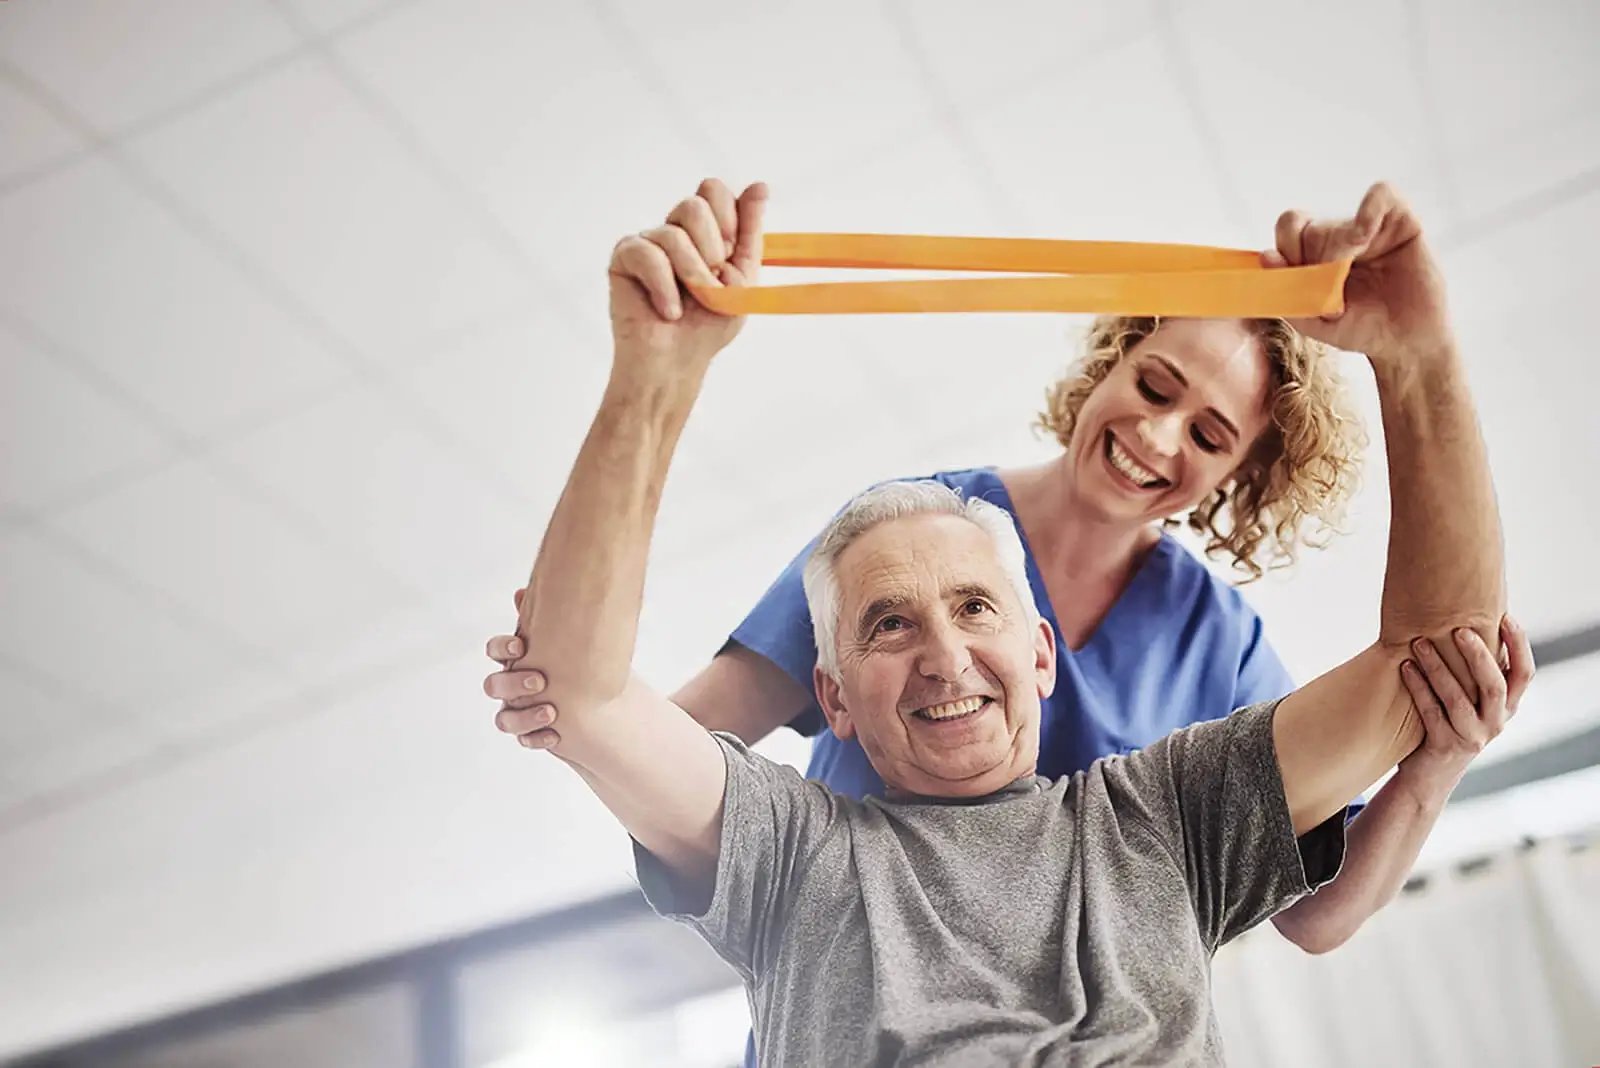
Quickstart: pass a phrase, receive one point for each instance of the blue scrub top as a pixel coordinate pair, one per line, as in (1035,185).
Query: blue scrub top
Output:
(1179,646)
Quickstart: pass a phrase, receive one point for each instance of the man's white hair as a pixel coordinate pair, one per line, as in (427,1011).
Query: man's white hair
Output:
(900,500)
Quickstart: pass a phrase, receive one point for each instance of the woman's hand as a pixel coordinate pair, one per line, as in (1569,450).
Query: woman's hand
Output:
(1457,730)
(521,713)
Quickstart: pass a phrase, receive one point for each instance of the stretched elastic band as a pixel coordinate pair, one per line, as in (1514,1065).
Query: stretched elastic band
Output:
(1120,277)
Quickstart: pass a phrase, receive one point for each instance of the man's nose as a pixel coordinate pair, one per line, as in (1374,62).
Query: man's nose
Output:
(1162,434)
(944,654)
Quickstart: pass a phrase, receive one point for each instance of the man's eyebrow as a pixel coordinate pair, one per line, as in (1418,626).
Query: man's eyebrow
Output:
(1172,369)
(970,589)
(875,609)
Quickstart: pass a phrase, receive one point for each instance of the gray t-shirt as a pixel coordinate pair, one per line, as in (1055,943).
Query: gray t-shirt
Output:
(1051,923)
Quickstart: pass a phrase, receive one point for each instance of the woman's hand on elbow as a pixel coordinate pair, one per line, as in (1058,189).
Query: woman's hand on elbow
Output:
(1457,729)
(523,711)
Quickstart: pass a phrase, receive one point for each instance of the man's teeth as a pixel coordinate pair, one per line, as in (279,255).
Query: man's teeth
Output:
(952,709)
(1131,467)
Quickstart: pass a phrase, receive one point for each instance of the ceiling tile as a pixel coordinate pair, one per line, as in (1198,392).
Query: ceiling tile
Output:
(32,135)
(172,325)
(1518,93)
(255,700)
(1313,143)
(708,500)
(521,393)
(1532,162)
(331,16)
(918,180)
(1135,170)
(355,464)
(58,433)
(94,634)
(117,63)
(978,60)
(300,177)
(36,719)
(49,743)
(823,93)
(532,106)
(1522,274)
(227,557)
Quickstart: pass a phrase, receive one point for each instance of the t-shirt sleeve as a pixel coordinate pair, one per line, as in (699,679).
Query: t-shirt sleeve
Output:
(773,822)
(1214,793)
(779,628)
(1262,676)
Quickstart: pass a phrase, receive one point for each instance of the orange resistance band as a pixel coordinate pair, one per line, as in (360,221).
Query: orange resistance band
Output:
(1119,277)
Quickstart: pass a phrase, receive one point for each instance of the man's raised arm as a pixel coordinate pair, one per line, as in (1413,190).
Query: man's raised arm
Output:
(1445,569)
(657,770)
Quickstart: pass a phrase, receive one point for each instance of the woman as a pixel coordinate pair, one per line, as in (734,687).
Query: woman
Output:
(1239,428)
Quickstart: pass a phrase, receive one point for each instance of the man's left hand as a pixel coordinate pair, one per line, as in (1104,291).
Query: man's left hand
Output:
(1394,297)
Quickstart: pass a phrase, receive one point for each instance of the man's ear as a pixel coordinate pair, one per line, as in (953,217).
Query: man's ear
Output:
(1044,657)
(830,696)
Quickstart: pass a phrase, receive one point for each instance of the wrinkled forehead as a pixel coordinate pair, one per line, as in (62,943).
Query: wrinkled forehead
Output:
(918,559)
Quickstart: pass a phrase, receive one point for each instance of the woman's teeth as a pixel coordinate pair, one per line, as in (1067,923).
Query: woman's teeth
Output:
(1140,474)
(952,709)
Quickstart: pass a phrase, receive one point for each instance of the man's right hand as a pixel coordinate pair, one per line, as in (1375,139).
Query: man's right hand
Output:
(709,239)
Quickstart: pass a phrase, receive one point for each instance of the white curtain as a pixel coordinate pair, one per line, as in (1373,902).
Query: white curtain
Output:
(1491,964)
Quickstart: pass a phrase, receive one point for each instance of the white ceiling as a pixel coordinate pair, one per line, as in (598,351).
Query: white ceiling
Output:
(301,322)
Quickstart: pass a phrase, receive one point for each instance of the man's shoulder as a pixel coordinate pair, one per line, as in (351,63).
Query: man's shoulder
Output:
(1208,741)
(759,774)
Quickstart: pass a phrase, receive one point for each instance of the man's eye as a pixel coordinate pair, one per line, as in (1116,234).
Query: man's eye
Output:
(975,606)
(1149,391)
(888,625)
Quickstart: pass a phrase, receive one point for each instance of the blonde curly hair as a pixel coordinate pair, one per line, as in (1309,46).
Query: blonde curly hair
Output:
(1300,475)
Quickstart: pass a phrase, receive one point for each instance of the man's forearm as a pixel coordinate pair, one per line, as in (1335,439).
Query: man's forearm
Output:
(1340,732)
(1446,560)
(1382,844)
(580,617)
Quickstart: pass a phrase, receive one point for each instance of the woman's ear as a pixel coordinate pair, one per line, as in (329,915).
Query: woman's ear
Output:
(830,696)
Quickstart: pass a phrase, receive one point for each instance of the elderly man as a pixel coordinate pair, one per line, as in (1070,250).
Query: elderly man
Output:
(979,914)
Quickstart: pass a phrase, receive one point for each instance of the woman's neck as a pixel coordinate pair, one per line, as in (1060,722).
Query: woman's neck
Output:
(1068,541)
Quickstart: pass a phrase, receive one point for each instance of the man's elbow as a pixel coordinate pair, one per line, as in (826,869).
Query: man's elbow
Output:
(1396,726)
(1315,936)
(571,687)
(1396,634)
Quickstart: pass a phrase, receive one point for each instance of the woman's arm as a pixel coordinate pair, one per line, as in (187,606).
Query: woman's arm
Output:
(740,691)
(1383,841)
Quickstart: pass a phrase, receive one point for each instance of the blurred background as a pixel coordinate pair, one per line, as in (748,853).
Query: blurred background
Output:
(302,319)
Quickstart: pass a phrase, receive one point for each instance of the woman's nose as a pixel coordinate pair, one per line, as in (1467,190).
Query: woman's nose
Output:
(1162,434)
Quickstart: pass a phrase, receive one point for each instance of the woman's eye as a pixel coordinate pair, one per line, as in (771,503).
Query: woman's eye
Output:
(1204,442)
(1149,392)
(889,624)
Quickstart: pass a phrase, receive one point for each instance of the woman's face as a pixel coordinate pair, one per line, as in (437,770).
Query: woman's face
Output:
(1173,421)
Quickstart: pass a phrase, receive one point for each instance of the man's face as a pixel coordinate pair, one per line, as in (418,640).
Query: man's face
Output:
(942,668)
